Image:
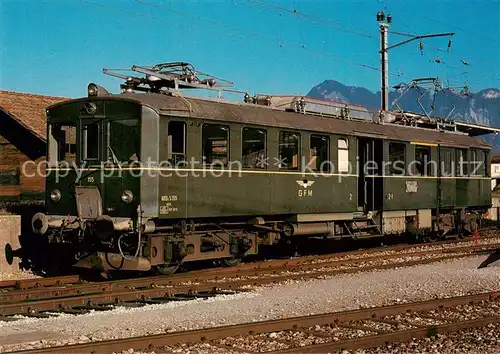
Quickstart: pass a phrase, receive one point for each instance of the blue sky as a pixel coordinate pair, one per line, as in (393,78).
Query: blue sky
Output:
(57,47)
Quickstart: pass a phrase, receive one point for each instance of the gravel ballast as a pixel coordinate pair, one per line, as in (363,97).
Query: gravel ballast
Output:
(294,298)
(485,340)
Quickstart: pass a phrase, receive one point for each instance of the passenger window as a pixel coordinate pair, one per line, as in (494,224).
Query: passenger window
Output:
(479,163)
(253,147)
(215,140)
(474,163)
(91,141)
(422,160)
(176,142)
(397,159)
(461,162)
(446,164)
(319,146)
(343,154)
(289,146)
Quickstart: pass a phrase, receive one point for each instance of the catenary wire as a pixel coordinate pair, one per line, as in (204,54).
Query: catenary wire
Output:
(330,23)
(260,36)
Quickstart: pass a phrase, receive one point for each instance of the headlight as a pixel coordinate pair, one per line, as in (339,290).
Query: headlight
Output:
(127,196)
(55,195)
(92,90)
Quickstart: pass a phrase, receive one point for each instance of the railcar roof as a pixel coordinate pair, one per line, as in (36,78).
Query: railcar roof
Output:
(260,115)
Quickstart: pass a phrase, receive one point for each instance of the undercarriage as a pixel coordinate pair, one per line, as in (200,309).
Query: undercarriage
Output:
(162,245)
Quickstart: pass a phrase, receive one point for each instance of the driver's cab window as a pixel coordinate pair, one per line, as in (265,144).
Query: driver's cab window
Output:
(62,143)
(91,141)
(176,142)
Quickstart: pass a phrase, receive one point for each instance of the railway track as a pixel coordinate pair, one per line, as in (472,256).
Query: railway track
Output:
(24,284)
(38,297)
(319,333)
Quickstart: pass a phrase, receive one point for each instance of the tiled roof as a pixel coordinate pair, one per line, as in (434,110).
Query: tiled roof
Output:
(28,109)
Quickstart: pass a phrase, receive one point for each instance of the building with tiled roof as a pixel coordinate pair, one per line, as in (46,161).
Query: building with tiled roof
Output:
(22,140)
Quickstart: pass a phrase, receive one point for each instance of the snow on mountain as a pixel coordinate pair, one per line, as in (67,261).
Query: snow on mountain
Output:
(482,107)
(491,93)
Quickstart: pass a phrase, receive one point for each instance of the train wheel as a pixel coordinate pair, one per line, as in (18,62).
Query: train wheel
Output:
(230,262)
(165,269)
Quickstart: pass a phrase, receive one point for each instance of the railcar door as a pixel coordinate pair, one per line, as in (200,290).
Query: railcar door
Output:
(370,182)
(462,181)
(446,181)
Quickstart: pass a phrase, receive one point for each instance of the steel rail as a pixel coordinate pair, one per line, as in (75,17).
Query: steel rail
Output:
(382,339)
(163,292)
(39,282)
(207,334)
(226,274)
(83,295)
(23,284)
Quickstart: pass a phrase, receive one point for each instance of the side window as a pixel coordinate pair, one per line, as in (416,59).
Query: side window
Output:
(289,147)
(176,142)
(253,147)
(343,154)
(422,160)
(91,141)
(446,164)
(478,163)
(474,168)
(397,159)
(486,170)
(215,143)
(319,146)
(461,162)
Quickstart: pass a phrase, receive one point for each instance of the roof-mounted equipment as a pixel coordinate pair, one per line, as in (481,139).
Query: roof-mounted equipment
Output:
(312,106)
(165,77)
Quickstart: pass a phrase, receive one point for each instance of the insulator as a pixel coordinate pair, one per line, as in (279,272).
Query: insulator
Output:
(302,103)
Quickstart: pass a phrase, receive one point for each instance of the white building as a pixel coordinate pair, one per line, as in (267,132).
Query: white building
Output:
(495,173)
(494,211)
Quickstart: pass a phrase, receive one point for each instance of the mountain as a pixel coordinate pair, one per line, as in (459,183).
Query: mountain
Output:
(482,107)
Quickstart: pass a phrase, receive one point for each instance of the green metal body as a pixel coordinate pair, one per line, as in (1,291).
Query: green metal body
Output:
(196,193)
(194,211)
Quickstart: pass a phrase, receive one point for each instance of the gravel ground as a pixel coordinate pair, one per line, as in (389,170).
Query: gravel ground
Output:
(333,269)
(484,340)
(293,298)
(424,247)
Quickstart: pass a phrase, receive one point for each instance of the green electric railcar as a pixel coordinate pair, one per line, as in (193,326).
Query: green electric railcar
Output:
(140,181)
